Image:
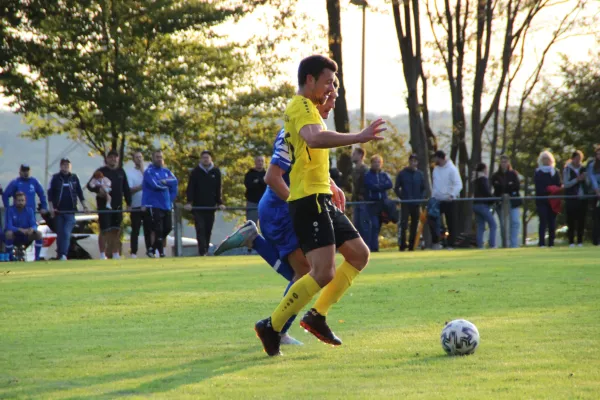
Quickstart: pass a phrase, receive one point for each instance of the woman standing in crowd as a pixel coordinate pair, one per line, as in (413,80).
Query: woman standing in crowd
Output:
(593,176)
(547,182)
(482,208)
(575,207)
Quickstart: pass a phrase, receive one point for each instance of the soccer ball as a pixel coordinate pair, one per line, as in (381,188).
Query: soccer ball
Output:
(459,338)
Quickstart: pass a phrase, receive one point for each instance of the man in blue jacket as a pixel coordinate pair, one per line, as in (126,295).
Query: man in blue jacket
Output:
(377,183)
(63,193)
(30,187)
(21,227)
(410,185)
(159,190)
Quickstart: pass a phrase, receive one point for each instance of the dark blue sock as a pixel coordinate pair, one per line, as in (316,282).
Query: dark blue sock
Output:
(290,321)
(271,256)
(9,244)
(38,249)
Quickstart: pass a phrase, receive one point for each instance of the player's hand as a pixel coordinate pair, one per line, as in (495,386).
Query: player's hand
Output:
(221,207)
(85,209)
(338,198)
(372,131)
(188,207)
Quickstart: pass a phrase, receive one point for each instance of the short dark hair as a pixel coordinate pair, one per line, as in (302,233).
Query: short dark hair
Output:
(314,66)
(504,157)
(156,151)
(205,152)
(440,154)
(19,194)
(65,161)
(413,157)
(113,153)
(480,167)
(360,151)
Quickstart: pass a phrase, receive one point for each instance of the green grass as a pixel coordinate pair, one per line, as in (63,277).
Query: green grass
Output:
(183,329)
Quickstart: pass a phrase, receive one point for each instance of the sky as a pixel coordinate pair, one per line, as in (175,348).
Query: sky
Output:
(384,82)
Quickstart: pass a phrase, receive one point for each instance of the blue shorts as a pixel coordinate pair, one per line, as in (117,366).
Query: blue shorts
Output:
(276,227)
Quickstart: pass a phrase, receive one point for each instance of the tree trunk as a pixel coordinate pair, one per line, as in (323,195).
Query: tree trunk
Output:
(340,112)
(122,151)
(494,141)
(412,68)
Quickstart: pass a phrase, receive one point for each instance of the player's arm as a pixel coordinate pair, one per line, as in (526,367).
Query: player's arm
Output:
(274,178)
(317,138)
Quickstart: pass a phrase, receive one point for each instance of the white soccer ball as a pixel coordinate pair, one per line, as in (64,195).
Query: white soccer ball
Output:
(459,338)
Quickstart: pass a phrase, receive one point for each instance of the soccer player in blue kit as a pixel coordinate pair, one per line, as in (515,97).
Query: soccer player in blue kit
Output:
(278,245)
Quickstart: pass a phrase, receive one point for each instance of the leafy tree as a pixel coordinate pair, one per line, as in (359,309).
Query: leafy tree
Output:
(119,73)
(579,105)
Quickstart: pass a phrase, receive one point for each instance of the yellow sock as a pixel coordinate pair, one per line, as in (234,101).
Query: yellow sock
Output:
(299,295)
(333,292)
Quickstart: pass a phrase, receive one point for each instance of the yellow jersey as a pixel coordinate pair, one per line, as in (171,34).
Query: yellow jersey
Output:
(310,167)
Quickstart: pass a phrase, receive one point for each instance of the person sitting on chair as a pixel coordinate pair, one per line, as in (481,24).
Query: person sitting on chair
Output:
(21,227)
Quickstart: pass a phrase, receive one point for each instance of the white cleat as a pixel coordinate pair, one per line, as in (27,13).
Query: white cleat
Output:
(288,340)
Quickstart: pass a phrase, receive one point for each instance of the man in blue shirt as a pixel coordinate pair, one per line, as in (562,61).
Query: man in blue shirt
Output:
(31,187)
(410,186)
(377,183)
(27,185)
(21,227)
(63,193)
(159,190)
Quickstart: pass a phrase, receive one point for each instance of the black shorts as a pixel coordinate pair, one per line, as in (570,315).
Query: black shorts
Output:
(318,223)
(110,220)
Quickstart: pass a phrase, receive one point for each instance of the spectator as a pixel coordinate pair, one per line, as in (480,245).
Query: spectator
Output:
(135,178)
(546,179)
(360,212)
(63,193)
(159,190)
(447,186)
(506,181)
(410,185)
(482,208)
(204,190)
(377,183)
(109,196)
(254,181)
(30,187)
(575,208)
(593,176)
(21,228)
(336,175)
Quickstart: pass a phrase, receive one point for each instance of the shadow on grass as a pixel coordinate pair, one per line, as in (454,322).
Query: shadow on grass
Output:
(184,374)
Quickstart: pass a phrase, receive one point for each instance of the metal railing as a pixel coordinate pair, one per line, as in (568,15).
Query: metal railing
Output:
(503,205)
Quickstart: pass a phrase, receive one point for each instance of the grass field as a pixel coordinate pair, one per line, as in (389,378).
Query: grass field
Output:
(183,328)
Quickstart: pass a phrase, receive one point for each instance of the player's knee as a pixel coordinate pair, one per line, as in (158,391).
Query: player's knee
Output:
(37,235)
(356,253)
(323,277)
(360,258)
(9,235)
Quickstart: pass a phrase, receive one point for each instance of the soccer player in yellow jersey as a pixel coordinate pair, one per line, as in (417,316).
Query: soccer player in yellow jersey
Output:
(318,224)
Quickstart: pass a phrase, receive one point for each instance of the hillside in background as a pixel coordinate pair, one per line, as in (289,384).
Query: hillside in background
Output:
(16,150)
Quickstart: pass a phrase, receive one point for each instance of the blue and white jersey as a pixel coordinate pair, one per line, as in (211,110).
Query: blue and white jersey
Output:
(281,158)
